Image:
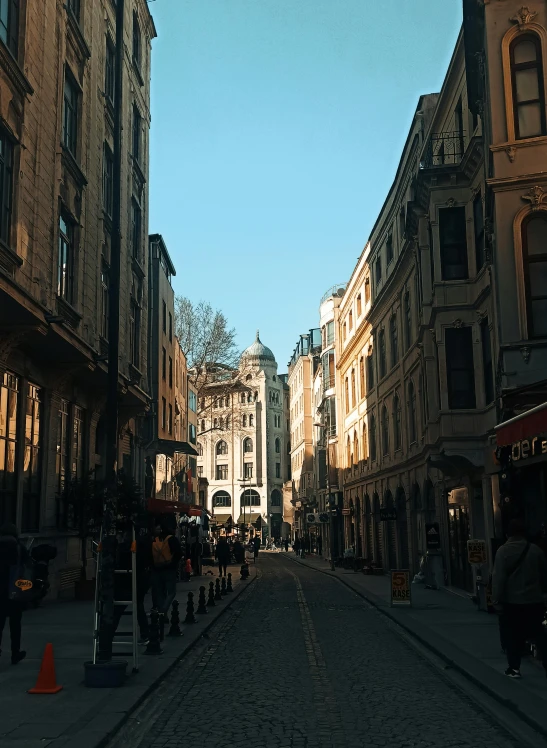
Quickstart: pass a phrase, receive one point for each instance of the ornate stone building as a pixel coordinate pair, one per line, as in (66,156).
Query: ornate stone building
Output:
(56,193)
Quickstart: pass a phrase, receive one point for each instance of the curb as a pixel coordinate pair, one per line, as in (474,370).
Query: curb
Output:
(507,703)
(75,738)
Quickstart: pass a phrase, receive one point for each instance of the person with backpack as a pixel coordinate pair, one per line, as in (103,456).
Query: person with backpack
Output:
(166,555)
(12,556)
(519,586)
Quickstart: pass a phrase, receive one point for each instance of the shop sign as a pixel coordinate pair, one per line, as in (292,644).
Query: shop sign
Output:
(432,537)
(346,512)
(476,551)
(528,448)
(400,587)
(387,515)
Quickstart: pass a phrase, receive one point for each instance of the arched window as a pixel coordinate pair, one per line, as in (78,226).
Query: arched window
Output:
(248,377)
(278,445)
(411,412)
(353,388)
(362,377)
(383,361)
(200,449)
(397,439)
(528,87)
(385,431)
(248,445)
(215,423)
(221,498)
(370,370)
(275,499)
(365,443)
(408,320)
(347,395)
(251,420)
(356,455)
(244,421)
(348,453)
(221,422)
(222,448)
(394,340)
(250,497)
(534,252)
(372,437)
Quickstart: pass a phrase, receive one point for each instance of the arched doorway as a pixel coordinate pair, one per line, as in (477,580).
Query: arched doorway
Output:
(378,534)
(369,529)
(391,532)
(402,529)
(358,530)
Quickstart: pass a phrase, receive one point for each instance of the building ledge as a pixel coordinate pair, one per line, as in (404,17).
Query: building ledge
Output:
(10,65)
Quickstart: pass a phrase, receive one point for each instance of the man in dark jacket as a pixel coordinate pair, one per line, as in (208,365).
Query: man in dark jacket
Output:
(11,554)
(166,556)
(223,554)
(519,586)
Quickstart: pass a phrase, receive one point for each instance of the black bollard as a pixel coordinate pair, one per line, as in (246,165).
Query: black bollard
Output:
(175,620)
(202,605)
(153,647)
(218,596)
(211,599)
(190,617)
(223,586)
(229,587)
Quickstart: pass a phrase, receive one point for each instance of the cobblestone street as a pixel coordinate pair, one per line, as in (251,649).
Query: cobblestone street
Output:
(299,660)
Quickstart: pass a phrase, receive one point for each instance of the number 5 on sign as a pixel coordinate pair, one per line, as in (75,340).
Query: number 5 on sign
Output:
(400,587)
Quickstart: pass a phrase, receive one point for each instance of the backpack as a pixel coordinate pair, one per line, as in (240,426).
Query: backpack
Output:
(161,553)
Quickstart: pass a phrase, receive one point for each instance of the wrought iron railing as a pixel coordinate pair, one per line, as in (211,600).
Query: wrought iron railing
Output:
(443,149)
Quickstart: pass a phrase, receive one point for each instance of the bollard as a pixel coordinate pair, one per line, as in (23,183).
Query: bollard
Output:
(211,599)
(202,605)
(218,596)
(244,571)
(175,620)
(190,617)
(223,586)
(229,587)
(153,647)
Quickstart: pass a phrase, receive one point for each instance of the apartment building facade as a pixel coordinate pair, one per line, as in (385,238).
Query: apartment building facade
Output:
(56,132)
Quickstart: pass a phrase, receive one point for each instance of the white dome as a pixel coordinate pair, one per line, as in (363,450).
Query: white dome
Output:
(258,351)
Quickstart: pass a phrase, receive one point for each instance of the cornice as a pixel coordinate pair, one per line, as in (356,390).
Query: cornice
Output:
(10,66)
(504,184)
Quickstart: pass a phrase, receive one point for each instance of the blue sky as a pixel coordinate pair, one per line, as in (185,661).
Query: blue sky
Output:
(277,126)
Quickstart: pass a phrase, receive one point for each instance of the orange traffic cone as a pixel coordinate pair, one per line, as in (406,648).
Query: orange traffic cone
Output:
(46,682)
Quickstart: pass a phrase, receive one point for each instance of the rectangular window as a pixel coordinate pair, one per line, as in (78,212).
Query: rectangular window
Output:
(6,187)
(61,458)
(389,249)
(378,269)
(9,402)
(137,42)
(135,333)
(487,361)
(105,287)
(32,460)
(170,420)
(170,371)
(109,71)
(367,290)
(163,363)
(200,473)
(192,435)
(192,401)
(248,470)
(170,327)
(65,269)
(70,115)
(136,134)
(163,412)
(460,371)
(330,333)
(136,230)
(370,372)
(278,470)
(9,24)
(453,243)
(222,472)
(74,7)
(108,180)
(478,224)
(164,317)
(359,307)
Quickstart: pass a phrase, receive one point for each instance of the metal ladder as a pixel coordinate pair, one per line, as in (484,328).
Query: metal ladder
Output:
(132,641)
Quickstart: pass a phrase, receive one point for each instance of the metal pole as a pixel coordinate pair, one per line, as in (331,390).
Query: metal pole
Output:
(109,515)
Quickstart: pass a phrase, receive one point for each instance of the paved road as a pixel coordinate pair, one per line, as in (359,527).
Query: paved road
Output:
(300,661)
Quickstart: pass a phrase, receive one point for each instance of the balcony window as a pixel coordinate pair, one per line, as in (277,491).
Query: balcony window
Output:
(453,243)
(528,87)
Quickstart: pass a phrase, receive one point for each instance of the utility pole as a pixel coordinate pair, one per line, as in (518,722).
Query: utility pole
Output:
(108,552)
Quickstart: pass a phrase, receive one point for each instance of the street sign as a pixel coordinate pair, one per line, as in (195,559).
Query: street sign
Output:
(400,587)
(387,515)
(432,537)
(476,551)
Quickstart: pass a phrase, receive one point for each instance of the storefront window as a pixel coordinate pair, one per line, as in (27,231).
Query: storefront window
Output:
(9,393)
(32,460)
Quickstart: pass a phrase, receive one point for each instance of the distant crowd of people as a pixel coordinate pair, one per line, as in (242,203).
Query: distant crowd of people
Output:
(308,544)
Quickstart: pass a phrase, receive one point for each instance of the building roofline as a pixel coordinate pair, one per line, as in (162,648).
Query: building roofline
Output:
(158,239)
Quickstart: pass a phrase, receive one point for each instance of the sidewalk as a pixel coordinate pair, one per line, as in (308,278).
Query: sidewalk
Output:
(451,626)
(80,716)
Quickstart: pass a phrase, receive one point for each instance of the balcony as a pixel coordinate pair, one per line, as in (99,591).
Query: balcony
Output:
(443,149)
(337,291)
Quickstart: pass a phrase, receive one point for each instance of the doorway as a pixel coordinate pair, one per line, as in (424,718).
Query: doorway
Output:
(458,534)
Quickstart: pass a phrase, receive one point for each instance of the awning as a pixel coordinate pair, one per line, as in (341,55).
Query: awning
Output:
(524,426)
(249,518)
(171,446)
(221,519)
(159,506)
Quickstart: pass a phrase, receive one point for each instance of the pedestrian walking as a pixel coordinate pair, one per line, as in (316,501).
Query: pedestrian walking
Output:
(319,545)
(286,545)
(12,556)
(296,546)
(166,555)
(519,584)
(223,554)
(256,547)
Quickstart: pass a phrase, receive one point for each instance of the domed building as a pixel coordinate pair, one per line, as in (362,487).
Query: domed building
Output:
(243,442)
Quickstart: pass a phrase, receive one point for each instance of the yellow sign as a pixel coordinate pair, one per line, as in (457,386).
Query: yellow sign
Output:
(476,551)
(400,587)
(24,584)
